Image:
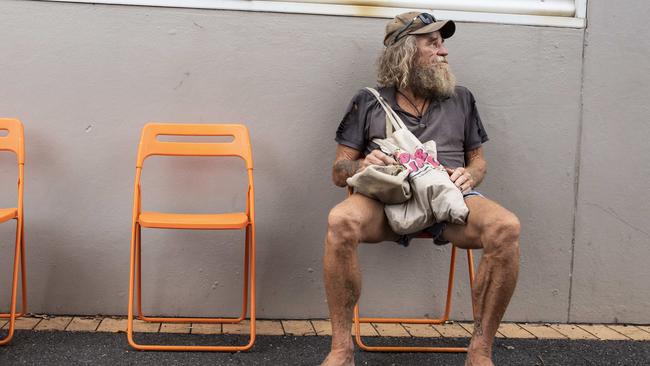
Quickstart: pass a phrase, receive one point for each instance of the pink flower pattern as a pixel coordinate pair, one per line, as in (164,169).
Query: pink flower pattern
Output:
(416,161)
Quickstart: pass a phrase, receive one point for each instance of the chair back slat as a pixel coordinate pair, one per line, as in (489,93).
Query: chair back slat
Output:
(13,141)
(151,145)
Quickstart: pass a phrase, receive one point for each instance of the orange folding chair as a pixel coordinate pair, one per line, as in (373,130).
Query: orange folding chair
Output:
(238,147)
(450,286)
(14,141)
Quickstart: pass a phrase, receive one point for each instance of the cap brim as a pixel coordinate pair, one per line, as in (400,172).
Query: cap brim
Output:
(447,28)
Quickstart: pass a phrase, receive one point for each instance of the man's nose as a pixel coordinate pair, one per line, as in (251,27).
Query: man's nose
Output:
(442,50)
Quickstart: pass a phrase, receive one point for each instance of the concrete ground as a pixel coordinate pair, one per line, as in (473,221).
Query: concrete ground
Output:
(103,348)
(66,340)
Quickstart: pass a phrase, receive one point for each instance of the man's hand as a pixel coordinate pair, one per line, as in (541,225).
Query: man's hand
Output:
(349,161)
(472,175)
(376,157)
(462,178)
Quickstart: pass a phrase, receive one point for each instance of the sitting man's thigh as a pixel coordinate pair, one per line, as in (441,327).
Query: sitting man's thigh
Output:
(363,215)
(483,214)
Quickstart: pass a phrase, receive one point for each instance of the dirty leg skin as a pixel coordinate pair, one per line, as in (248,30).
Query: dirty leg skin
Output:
(355,220)
(495,230)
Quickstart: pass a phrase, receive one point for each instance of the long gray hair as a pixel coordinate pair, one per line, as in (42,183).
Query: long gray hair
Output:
(395,64)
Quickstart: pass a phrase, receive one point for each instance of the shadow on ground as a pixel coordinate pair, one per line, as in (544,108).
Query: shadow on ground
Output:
(79,348)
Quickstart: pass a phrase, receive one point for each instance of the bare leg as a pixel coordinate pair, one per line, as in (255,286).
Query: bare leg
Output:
(496,230)
(357,219)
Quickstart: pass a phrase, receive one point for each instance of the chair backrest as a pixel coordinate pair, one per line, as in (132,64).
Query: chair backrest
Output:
(13,141)
(150,145)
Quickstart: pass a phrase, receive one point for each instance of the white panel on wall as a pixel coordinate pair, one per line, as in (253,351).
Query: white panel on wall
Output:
(554,13)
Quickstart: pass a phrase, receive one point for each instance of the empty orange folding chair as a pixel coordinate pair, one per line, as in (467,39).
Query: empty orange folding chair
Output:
(13,141)
(238,147)
(450,286)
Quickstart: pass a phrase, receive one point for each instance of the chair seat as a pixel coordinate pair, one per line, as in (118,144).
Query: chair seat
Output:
(161,220)
(8,214)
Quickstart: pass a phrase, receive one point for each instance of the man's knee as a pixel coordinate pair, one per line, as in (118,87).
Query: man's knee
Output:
(343,228)
(501,234)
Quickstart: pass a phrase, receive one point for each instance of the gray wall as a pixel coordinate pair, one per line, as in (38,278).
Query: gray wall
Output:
(613,221)
(85,78)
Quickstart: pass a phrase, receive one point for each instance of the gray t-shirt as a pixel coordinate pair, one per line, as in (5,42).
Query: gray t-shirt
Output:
(453,123)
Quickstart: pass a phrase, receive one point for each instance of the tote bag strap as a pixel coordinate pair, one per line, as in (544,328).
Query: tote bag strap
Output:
(395,121)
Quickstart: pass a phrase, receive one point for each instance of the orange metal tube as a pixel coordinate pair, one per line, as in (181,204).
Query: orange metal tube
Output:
(138,267)
(154,319)
(450,284)
(253,300)
(403,320)
(470,264)
(23,267)
(250,208)
(23,278)
(246,260)
(19,260)
(23,272)
(367,348)
(142,347)
(136,212)
(14,287)
(21,218)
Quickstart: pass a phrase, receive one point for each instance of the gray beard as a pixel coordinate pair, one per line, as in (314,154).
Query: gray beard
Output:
(434,81)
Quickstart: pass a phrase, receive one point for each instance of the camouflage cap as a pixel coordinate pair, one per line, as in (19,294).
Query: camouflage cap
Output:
(415,22)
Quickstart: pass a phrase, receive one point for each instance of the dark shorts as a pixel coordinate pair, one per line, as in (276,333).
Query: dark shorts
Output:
(435,231)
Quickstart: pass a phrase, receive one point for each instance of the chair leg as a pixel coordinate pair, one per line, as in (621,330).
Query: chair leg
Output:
(23,278)
(450,284)
(132,275)
(136,281)
(14,285)
(470,264)
(23,270)
(251,280)
(138,266)
(246,270)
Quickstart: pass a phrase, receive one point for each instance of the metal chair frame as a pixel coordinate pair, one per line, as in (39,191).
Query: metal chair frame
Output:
(14,142)
(450,286)
(239,147)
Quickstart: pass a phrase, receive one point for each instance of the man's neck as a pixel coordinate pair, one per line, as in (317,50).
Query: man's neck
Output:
(409,102)
(410,95)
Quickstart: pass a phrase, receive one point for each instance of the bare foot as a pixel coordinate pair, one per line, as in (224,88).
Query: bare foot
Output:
(343,357)
(478,361)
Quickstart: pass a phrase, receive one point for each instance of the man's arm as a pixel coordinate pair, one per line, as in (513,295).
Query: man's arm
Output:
(346,163)
(349,161)
(472,174)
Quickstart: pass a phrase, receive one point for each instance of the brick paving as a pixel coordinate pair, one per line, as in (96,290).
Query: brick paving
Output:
(391,330)
(82,324)
(543,331)
(298,327)
(321,327)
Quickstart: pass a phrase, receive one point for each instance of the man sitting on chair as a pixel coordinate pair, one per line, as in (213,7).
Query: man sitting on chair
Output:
(415,79)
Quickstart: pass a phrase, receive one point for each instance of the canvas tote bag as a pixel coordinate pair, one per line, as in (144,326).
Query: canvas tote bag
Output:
(388,184)
(435,197)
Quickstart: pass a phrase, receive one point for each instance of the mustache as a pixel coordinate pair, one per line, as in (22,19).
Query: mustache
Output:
(437,62)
